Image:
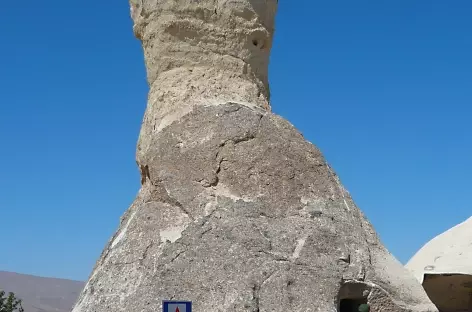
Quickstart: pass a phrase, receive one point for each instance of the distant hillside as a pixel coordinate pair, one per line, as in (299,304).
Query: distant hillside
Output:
(42,294)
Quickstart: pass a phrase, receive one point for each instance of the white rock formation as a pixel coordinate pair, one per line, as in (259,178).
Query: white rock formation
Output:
(444,267)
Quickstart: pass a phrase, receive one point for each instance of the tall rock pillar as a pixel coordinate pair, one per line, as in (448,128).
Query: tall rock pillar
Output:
(237,212)
(201,53)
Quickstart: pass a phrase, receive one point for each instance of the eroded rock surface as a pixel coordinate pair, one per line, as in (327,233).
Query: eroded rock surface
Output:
(237,211)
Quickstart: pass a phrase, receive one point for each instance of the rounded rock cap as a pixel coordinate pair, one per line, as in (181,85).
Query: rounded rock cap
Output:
(447,253)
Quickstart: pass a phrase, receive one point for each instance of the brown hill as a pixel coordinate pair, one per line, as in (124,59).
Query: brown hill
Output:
(41,294)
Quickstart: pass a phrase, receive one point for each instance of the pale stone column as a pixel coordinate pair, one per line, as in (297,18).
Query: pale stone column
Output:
(202,53)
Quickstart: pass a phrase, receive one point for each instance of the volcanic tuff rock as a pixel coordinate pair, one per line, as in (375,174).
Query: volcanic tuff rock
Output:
(443,266)
(237,212)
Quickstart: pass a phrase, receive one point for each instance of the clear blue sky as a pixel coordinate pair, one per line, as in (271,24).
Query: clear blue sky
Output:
(383,88)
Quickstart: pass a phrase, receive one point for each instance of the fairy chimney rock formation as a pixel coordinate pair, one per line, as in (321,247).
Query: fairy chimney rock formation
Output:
(237,211)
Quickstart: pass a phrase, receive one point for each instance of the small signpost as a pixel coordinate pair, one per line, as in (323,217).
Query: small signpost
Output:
(176,306)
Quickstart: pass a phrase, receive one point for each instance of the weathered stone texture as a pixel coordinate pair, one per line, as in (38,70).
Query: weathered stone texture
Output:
(237,211)
(202,52)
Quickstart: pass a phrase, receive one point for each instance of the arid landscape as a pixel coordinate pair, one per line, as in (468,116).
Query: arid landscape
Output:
(41,294)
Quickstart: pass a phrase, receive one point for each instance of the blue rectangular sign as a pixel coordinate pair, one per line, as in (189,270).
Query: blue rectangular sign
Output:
(176,306)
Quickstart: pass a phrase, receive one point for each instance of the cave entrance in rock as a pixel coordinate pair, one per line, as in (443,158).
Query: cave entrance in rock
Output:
(449,292)
(351,305)
(352,295)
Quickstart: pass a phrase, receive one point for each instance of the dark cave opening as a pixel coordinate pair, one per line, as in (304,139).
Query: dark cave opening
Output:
(353,297)
(351,305)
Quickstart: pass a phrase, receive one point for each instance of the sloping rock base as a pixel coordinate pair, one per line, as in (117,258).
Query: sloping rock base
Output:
(237,212)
